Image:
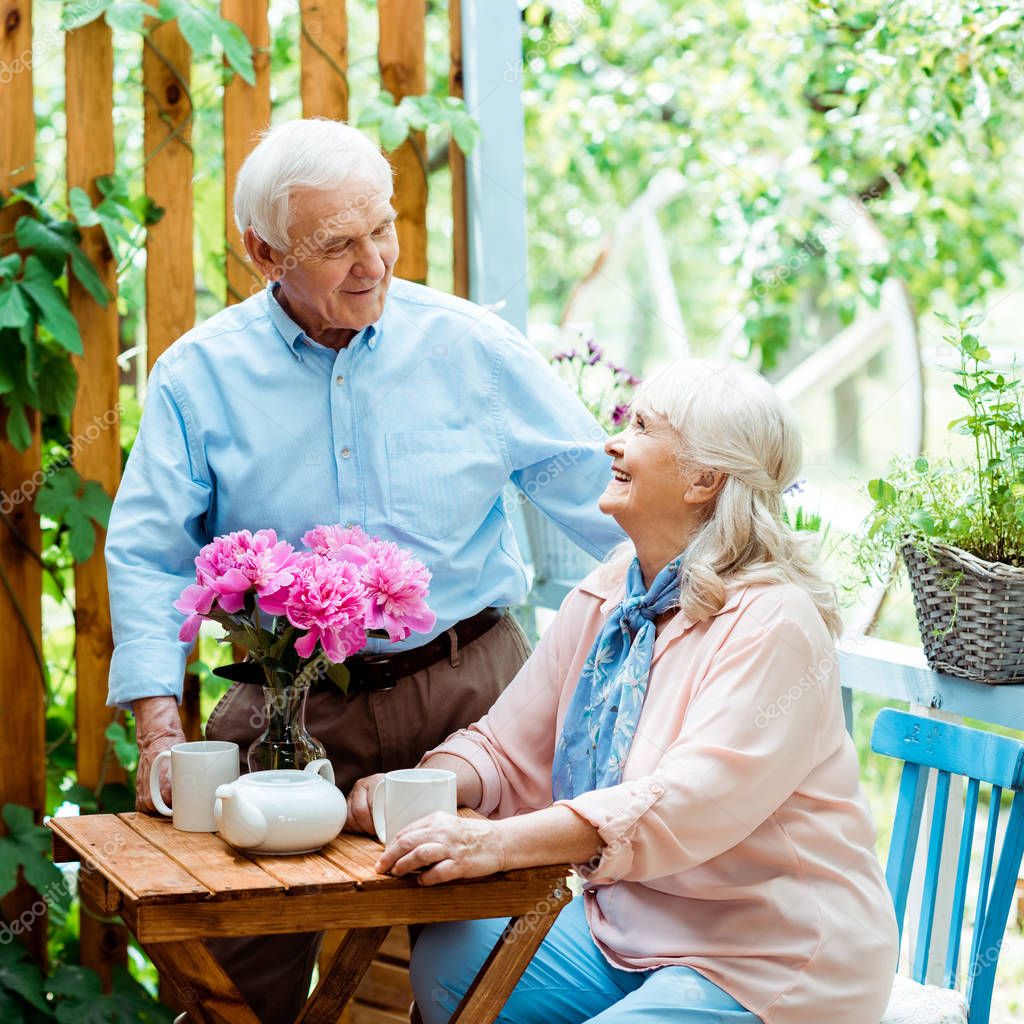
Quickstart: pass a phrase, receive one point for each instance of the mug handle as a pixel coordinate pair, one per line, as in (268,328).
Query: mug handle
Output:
(321,766)
(154,783)
(379,812)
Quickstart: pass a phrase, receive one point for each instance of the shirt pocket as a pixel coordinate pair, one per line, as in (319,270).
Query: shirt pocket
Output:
(442,483)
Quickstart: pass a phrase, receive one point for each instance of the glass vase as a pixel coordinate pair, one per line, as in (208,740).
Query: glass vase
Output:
(285,742)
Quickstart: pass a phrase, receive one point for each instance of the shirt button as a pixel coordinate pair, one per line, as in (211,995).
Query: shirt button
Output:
(345,453)
(339,379)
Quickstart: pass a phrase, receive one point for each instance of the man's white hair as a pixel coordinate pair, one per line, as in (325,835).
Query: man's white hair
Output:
(315,153)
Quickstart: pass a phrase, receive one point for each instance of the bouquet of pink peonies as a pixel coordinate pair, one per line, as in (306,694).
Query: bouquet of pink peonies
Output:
(323,602)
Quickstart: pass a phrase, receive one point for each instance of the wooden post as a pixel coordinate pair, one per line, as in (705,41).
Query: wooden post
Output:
(402,58)
(323,27)
(492,54)
(22,767)
(170,282)
(96,452)
(457,161)
(246,112)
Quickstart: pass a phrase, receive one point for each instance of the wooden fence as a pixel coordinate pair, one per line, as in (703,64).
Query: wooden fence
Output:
(170,311)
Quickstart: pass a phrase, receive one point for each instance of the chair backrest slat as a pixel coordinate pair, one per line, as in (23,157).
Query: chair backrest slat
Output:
(963,869)
(983,967)
(992,831)
(931,877)
(924,744)
(910,806)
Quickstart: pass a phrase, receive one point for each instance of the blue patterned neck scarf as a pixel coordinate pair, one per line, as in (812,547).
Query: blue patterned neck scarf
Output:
(604,711)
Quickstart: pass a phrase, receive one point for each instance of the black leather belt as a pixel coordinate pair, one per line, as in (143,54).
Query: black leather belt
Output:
(372,672)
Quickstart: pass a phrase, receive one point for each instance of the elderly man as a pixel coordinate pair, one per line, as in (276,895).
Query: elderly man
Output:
(341,395)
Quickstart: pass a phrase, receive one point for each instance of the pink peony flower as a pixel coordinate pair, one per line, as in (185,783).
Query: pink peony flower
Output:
(228,568)
(397,585)
(326,597)
(349,543)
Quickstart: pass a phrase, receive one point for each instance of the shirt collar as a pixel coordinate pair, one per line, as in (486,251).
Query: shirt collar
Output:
(295,337)
(609,585)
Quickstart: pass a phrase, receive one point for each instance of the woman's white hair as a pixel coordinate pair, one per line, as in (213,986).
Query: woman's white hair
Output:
(315,153)
(730,420)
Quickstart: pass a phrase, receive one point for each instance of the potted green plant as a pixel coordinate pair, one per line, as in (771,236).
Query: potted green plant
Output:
(958,524)
(606,390)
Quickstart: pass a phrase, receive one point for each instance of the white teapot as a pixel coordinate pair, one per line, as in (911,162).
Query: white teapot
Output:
(283,811)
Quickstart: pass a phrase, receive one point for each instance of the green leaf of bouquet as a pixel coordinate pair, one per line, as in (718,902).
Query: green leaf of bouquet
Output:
(37,284)
(339,675)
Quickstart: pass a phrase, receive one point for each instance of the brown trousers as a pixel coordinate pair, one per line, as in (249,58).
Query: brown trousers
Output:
(363,734)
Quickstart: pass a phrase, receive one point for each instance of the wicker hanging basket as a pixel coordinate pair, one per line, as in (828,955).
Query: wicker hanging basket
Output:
(970,612)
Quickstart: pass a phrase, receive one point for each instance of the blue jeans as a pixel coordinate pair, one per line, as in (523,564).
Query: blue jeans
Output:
(568,981)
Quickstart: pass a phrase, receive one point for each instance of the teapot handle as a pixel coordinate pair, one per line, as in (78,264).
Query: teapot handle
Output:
(321,766)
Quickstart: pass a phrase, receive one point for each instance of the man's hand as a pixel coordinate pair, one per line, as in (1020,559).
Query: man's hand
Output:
(449,847)
(360,806)
(157,727)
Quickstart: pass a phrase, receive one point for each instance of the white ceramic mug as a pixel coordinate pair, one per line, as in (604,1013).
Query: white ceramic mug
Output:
(407,795)
(197,769)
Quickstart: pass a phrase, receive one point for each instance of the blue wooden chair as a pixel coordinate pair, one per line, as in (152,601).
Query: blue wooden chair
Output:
(982,758)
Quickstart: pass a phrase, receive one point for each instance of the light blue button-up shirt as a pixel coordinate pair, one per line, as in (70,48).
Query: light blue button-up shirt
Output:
(412,432)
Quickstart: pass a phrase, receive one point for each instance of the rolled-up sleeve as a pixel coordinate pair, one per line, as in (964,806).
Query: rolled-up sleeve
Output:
(553,446)
(157,526)
(749,738)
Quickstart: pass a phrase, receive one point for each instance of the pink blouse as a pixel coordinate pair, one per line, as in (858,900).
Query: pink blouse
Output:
(738,842)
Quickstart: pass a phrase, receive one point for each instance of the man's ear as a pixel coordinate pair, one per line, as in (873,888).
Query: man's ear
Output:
(264,257)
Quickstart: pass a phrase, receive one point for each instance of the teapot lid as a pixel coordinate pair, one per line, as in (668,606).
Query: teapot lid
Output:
(281,777)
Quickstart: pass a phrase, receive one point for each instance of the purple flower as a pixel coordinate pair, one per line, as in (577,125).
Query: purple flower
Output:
(619,415)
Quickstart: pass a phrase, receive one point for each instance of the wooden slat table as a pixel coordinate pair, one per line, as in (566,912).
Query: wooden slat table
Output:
(175,889)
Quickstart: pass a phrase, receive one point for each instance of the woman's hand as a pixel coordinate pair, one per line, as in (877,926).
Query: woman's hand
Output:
(360,805)
(449,847)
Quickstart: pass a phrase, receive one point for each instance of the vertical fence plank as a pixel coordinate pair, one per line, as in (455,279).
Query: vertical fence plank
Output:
(402,58)
(96,453)
(170,282)
(22,749)
(246,112)
(323,27)
(457,161)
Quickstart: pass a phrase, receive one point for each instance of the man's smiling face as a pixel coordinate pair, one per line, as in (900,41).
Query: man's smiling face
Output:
(343,247)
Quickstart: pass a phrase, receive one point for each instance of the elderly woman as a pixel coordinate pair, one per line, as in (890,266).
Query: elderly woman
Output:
(677,735)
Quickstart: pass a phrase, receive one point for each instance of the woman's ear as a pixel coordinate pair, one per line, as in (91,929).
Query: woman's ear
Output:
(704,487)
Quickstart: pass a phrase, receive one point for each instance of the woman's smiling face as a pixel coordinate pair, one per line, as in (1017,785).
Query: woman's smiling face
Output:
(647,487)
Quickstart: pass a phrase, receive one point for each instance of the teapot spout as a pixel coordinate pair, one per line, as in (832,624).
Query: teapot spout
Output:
(237,820)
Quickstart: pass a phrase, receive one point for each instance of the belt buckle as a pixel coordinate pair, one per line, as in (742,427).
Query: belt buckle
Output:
(379,676)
